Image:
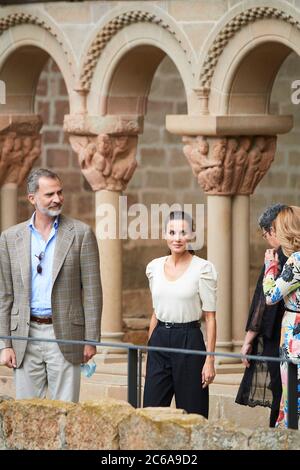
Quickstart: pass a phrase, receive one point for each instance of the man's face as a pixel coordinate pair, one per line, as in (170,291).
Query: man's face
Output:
(48,199)
(270,238)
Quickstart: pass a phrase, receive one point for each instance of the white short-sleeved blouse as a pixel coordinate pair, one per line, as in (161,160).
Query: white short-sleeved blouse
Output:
(184,299)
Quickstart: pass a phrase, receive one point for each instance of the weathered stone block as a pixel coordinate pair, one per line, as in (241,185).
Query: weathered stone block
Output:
(33,424)
(94,425)
(137,303)
(182,179)
(157,179)
(69,13)
(61,109)
(197,10)
(136,337)
(158,428)
(58,158)
(220,435)
(153,156)
(274,439)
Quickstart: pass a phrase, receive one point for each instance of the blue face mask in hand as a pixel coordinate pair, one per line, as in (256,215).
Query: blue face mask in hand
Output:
(88,369)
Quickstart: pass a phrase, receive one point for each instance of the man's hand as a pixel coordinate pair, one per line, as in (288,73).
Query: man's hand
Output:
(88,352)
(8,358)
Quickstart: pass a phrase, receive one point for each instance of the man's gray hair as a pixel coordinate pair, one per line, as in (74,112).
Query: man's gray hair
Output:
(269,215)
(35,175)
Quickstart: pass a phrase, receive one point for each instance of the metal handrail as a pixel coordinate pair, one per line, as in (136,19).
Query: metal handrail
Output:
(134,373)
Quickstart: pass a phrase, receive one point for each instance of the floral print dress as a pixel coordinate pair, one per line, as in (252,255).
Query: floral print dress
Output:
(286,287)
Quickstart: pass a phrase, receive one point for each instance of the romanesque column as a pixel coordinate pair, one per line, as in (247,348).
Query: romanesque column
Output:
(107,161)
(20,146)
(228,169)
(253,159)
(206,157)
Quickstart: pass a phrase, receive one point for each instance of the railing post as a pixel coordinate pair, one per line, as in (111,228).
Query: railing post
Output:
(132,377)
(139,384)
(292,392)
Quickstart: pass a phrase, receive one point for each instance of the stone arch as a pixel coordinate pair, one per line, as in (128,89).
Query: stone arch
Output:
(27,41)
(118,46)
(241,63)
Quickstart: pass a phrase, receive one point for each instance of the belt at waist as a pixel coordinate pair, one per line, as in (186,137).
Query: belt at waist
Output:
(289,310)
(190,324)
(41,320)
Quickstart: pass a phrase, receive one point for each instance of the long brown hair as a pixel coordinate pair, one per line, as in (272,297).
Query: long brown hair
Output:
(287,229)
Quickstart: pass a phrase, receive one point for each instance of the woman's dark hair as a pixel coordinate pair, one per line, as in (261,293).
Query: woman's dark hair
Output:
(181,215)
(267,218)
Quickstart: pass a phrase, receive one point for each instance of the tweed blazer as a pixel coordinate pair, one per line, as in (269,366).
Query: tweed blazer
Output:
(76,288)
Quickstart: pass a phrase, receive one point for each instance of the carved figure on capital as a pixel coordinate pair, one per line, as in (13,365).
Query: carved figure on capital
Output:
(18,153)
(208,169)
(229,165)
(107,161)
(252,172)
(7,145)
(241,162)
(267,158)
(32,147)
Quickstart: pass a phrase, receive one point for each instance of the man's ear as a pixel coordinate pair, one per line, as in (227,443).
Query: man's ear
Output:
(31,198)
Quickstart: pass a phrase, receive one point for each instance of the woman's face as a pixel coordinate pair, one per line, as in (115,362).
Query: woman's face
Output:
(178,234)
(271,239)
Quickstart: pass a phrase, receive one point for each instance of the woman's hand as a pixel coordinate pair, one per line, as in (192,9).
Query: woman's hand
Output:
(246,349)
(208,372)
(270,256)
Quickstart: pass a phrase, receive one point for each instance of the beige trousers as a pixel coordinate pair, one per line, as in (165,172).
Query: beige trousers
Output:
(45,371)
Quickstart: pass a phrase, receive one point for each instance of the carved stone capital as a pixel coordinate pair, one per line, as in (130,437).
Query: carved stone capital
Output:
(82,124)
(22,124)
(229,165)
(20,146)
(107,161)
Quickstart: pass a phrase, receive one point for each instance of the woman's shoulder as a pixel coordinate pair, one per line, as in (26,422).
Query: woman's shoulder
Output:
(205,267)
(294,258)
(154,263)
(203,263)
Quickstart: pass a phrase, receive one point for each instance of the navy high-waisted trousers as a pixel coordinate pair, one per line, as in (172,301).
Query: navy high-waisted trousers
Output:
(169,374)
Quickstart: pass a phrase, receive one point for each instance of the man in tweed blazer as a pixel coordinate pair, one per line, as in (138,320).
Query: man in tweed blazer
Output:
(49,288)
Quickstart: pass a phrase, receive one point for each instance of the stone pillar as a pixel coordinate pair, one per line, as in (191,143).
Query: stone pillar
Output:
(240,268)
(253,158)
(228,169)
(107,161)
(9,206)
(110,250)
(219,253)
(207,157)
(20,146)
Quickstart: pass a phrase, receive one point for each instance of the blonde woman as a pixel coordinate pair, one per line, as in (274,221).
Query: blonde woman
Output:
(286,286)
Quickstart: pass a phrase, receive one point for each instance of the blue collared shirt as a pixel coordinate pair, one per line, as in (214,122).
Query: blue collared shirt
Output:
(41,284)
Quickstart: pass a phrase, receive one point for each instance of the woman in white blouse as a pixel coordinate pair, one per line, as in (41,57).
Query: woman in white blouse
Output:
(183,287)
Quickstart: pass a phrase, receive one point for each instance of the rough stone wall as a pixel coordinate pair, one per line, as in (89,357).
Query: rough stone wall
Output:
(111,425)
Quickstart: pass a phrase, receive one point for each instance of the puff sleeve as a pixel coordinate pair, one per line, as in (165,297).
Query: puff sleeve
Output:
(149,274)
(208,287)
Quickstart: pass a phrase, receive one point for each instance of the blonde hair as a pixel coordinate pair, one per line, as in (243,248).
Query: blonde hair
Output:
(287,229)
